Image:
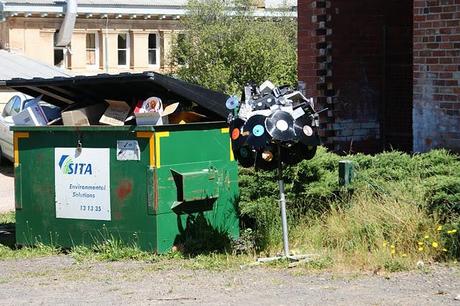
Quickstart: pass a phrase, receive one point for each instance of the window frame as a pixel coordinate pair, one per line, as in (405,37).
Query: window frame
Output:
(96,49)
(127,50)
(66,55)
(7,110)
(65,63)
(157,49)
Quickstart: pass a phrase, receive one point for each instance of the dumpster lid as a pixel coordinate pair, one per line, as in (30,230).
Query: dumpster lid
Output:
(63,91)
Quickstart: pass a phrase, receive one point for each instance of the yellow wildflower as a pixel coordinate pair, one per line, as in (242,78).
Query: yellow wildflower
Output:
(444,250)
(426,237)
(392,246)
(452,231)
(439,228)
(434,244)
(420,249)
(385,244)
(420,243)
(393,252)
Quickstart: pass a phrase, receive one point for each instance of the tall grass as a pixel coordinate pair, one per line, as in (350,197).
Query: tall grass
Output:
(399,209)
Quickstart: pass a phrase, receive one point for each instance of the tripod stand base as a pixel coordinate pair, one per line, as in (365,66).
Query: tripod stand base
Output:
(294,259)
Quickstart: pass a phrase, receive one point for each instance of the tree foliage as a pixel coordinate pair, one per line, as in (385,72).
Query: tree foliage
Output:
(226,46)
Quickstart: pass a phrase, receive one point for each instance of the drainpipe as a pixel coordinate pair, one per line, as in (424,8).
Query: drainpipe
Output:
(64,36)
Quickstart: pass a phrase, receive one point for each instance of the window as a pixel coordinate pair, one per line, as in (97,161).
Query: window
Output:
(12,107)
(16,106)
(61,55)
(153,49)
(123,49)
(92,49)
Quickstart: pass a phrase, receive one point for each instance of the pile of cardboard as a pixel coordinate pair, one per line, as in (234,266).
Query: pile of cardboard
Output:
(151,111)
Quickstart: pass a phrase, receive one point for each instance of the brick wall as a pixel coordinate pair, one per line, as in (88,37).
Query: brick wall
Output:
(436,113)
(308,23)
(357,54)
(355,57)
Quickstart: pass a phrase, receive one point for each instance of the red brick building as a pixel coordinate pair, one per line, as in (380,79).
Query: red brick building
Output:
(387,70)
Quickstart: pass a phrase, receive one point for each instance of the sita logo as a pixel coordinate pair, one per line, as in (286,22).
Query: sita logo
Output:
(69,167)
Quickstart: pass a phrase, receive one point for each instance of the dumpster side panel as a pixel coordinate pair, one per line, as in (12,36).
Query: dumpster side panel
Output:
(129,218)
(201,221)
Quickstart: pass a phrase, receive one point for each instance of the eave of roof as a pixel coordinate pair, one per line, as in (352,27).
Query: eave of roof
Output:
(11,8)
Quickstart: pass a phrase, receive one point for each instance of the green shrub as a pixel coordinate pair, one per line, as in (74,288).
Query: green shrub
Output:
(394,197)
(442,196)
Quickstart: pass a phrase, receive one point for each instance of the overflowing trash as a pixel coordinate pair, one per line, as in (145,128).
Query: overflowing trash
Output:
(124,99)
(268,125)
(272,124)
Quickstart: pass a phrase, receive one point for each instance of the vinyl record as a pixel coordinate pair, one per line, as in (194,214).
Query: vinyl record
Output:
(280,125)
(232,103)
(305,131)
(245,156)
(257,134)
(236,133)
(264,102)
(267,159)
(295,153)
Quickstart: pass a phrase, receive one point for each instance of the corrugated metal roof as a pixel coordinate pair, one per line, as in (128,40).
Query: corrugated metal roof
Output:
(13,65)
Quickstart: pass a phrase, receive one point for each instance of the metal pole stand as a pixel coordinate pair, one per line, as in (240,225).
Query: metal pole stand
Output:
(282,201)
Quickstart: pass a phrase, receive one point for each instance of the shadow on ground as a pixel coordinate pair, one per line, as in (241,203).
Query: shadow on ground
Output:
(7,234)
(6,168)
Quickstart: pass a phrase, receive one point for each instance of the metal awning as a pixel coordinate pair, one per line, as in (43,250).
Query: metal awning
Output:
(129,87)
(14,65)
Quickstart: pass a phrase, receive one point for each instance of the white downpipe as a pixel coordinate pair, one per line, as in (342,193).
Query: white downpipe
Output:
(64,36)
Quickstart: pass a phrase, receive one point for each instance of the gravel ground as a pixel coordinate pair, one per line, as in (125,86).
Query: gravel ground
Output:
(59,280)
(6,187)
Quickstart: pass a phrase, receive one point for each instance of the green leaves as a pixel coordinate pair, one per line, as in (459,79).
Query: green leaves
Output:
(225,47)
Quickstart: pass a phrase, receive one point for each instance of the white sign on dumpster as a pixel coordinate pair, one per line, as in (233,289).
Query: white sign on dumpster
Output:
(82,183)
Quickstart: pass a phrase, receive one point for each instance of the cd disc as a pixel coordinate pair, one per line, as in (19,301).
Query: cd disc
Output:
(305,131)
(245,156)
(257,134)
(280,125)
(232,103)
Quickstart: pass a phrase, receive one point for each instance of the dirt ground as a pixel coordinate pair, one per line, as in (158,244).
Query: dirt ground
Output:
(6,187)
(60,280)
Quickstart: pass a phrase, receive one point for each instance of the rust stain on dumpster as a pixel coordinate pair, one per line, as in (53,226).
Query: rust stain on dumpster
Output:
(124,189)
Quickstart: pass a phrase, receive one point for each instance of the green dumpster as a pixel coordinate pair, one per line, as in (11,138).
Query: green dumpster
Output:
(155,186)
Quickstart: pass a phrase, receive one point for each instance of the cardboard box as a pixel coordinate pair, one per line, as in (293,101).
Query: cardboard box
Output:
(31,116)
(186,117)
(84,116)
(116,113)
(156,118)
